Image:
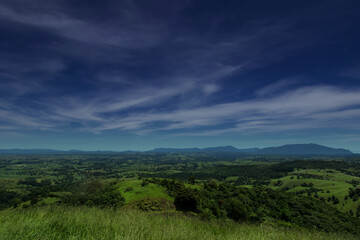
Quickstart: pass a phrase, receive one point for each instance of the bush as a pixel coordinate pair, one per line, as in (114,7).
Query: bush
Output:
(236,210)
(186,200)
(110,199)
(129,189)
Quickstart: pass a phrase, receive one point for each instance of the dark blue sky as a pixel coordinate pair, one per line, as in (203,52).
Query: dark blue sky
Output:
(118,75)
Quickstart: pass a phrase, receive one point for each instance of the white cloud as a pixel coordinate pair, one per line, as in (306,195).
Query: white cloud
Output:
(211,88)
(125,34)
(302,108)
(200,63)
(277,86)
(305,107)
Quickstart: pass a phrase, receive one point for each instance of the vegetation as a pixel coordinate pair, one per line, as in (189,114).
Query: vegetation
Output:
(259,205)
(244,195)
(93,223)
(328,185)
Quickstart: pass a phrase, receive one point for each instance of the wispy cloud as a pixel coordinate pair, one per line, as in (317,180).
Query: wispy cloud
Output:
(126,33)
(278,86)
(353,72)
(302,108)
(23,120)
(137,72)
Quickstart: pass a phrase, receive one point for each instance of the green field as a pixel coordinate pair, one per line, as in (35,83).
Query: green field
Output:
(329,181)
(92,223)
(132,190)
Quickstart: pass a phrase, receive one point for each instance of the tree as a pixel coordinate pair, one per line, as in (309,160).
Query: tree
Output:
(186,200)
(191,180)
(236,210)
(34,200)
(110,199)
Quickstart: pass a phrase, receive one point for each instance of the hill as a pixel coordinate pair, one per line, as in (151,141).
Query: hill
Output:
(303,149)
(289,149)
(63,222)
(30,151)
(225,149)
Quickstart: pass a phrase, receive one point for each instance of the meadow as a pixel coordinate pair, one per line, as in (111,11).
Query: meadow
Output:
(325,183)
(92,223)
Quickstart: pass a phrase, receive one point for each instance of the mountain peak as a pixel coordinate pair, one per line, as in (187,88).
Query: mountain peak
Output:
(304,149)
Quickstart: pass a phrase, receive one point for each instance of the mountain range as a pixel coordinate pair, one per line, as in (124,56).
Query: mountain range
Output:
(289,149)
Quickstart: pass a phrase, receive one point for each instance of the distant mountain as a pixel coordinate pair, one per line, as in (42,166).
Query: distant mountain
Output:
(227,149)
(223,149)
(174,150)
(52,151)
(30,151)
(303,149)
(290,149)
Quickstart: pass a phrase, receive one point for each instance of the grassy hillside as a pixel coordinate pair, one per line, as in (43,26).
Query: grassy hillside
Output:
(133,190)
(328,182)
(60,222)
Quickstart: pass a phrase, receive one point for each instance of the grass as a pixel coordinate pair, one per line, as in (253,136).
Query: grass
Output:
(60,222)
(49,200)
(333,181)
(132,190)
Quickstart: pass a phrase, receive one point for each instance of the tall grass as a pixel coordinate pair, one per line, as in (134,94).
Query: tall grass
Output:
(59,222)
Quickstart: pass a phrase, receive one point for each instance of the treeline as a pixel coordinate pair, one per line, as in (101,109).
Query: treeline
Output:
(350,168)
(256,173)
(245,173)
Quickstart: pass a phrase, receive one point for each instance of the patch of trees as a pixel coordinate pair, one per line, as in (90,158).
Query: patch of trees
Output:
(32,181)
(316,164)
(278,183)
(354,182)
(245,173)
(307,185)
(306,175)
(333,199)
(308,191)
(95,194)
(151,204)
(9,199)
(354,194)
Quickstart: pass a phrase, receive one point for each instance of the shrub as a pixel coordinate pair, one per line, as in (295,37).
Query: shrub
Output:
(129,189)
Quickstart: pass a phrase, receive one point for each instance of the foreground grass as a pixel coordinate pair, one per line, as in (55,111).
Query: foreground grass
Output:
(92,223)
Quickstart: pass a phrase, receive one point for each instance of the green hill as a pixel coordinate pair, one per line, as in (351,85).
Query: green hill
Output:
(328,184)
(133,190)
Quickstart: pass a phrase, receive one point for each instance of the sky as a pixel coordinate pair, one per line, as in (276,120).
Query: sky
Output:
(136,75)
